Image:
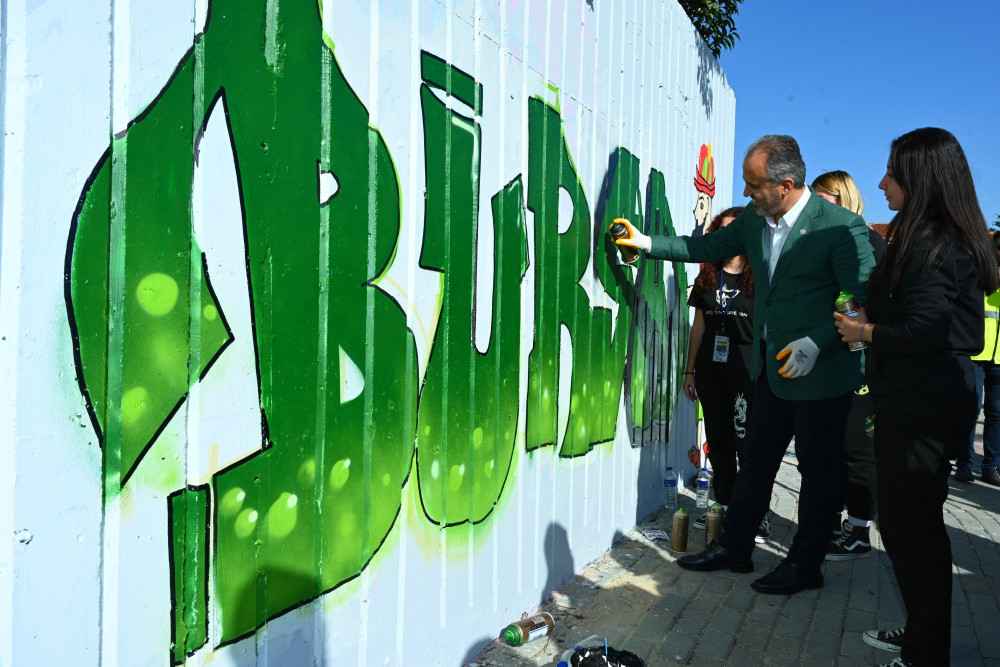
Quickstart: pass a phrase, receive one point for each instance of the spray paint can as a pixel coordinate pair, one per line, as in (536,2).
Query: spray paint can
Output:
(847,305)
(679,537)
(713,523)
(620,231)
(527,629)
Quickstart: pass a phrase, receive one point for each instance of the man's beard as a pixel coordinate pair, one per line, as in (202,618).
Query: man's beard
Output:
(768,207)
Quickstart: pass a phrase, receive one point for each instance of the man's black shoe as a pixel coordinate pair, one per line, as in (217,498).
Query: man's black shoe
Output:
(788,578)
(715,557)
(991,475)
(963,473)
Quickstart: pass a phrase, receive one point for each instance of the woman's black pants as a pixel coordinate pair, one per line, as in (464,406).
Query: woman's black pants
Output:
(724,390)
(912,459)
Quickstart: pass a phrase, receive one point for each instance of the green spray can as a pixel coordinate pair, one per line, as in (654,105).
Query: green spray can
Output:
(847,305)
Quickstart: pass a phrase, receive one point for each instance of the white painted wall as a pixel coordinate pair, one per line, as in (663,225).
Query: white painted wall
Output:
(84,575)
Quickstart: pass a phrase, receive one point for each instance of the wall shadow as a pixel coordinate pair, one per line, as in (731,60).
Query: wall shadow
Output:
(297,638)
(558,559)
(707,66)
(477,647)
(561,570)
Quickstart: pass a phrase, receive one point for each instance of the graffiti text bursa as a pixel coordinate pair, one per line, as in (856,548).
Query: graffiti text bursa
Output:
(308,511)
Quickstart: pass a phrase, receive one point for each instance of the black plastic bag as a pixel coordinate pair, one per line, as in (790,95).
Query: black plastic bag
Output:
(595,656)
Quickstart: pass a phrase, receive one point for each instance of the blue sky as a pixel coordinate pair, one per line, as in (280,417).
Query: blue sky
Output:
(845,78)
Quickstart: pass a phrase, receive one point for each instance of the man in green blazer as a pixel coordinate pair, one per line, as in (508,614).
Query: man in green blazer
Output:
(803,251)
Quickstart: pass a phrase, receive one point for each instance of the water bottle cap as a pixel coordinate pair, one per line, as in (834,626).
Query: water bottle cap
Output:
(704,469)
(717,506)
(670,467)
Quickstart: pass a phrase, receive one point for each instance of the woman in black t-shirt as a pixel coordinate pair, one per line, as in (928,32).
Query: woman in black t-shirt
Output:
(719,356)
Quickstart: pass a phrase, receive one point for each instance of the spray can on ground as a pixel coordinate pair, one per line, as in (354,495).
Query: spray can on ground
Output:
(679,536)
(846,304)
(523,631)
(620,231)
(713,523)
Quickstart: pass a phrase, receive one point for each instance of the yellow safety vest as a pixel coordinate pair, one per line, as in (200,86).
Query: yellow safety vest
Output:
(991,351)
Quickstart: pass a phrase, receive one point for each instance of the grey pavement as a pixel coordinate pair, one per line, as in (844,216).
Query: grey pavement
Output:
(638,598)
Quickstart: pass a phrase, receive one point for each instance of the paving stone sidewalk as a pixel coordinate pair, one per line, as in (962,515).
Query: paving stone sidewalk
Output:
(638,598)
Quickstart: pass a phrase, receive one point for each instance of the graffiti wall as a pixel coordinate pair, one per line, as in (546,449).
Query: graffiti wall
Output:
(315,348)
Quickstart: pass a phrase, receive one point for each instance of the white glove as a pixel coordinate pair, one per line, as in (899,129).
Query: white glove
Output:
(635,238)
(802,355)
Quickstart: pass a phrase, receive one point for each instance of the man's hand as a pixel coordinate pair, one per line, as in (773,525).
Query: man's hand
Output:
(802,355)
(635,238)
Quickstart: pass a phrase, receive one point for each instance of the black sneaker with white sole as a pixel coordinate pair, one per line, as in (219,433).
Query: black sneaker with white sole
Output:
(763,530)
(886,640)
(852,543)
(898,662)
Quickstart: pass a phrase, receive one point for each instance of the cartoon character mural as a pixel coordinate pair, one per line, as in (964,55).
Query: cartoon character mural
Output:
(345,417)
(704,182)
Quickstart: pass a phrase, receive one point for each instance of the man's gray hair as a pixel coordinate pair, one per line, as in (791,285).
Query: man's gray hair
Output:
(783,158)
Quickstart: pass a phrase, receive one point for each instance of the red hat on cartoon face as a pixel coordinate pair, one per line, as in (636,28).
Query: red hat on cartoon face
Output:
(704,179)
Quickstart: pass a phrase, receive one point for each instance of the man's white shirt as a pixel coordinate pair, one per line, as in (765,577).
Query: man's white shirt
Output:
(776,232)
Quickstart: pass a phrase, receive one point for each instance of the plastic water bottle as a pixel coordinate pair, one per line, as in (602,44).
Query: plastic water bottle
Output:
(670,484)
(704,483)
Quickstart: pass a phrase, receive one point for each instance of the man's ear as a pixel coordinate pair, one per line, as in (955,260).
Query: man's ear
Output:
(786,186)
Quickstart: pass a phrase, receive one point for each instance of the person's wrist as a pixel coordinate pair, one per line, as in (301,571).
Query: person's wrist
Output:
(688,372)
(861,332)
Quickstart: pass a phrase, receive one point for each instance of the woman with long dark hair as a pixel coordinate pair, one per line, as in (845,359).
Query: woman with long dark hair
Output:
(719,356)
(924,321)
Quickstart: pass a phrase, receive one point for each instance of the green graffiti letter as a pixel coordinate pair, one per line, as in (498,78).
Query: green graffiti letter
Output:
(187,520)
(467,420)
(335,361)
(560,301)
(140,305)
(660,331)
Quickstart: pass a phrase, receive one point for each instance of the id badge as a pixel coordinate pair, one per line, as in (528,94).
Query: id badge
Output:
(721,353)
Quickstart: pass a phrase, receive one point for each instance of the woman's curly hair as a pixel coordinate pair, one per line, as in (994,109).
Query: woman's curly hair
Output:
(705,281)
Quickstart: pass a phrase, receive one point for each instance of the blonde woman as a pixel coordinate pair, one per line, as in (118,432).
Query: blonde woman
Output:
(857,469)
(838,187)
